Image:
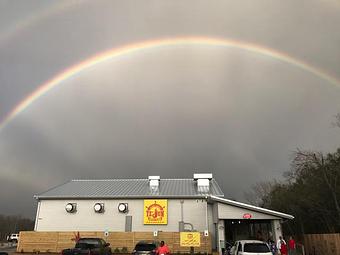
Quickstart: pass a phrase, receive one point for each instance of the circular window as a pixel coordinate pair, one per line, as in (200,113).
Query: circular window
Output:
(122,207)
(70,208)
(98,207)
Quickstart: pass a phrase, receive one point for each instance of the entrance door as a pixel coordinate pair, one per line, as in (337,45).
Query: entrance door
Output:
(247,229)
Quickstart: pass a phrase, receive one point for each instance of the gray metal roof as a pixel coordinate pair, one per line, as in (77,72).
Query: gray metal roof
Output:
(129,188)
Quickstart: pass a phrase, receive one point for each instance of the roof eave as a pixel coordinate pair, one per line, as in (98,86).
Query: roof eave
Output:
(200,196)
(252,207)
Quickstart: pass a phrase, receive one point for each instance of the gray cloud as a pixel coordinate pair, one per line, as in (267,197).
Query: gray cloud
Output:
(168,110)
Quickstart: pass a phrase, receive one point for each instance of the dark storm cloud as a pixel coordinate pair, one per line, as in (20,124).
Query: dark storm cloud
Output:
(171,110)
(62,39)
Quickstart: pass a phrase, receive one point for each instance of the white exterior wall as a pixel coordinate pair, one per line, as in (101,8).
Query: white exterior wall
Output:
(52,216)
(232,212)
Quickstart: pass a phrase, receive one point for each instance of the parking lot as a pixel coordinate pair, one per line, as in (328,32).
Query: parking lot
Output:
(8,247)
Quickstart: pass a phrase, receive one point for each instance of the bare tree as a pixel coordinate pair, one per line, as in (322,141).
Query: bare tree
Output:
(14,224)
(258,193)
(324,169)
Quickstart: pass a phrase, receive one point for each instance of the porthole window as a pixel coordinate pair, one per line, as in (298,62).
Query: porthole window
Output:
(123,207)
(71,207)
(98,207)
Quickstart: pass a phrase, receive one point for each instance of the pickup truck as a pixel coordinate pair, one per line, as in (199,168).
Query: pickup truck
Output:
(89,246)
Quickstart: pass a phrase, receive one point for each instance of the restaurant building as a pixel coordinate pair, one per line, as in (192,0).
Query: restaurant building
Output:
(154,204)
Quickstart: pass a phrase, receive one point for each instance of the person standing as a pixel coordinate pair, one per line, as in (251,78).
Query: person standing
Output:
(282,246)
(162,249)
(259,236)
(272,245)
(292,246)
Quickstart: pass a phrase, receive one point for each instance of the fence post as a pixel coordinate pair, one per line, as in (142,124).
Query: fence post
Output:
(303,249)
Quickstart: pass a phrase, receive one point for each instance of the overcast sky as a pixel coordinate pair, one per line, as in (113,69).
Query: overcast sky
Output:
(168,111)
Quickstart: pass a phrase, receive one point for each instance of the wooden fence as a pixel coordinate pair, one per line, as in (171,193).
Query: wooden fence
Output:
(322,244)
(53,242)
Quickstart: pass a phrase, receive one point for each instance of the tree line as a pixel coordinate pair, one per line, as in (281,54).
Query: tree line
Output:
(310,191)
(14,224)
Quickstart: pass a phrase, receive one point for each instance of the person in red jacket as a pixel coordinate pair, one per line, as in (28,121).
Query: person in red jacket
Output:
(162,249)
(282,246)
(284,250)
(291,246)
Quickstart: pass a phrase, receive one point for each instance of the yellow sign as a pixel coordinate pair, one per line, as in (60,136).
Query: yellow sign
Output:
(155,212)
(190,239)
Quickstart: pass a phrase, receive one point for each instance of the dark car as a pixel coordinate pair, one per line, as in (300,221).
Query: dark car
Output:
(145,248)
(89,246)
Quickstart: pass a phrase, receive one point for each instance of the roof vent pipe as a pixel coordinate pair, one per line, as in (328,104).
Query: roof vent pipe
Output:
(154,181)
(203,176)
(203,182)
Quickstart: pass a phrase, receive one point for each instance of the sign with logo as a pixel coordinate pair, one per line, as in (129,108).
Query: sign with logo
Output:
(155,212)
(190,239)
(247,216)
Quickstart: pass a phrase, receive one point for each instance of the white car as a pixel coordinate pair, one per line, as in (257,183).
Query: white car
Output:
(250,247)
(13,238)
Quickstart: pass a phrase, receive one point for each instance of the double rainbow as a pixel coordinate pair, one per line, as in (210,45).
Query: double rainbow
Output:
(128,49)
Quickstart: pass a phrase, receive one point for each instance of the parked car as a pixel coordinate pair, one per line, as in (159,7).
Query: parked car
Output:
(250,247)
(145,248)
(89,246)
(13,238)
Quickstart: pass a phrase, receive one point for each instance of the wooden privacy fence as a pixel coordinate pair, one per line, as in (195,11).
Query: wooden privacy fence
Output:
(31,241)
(322,244)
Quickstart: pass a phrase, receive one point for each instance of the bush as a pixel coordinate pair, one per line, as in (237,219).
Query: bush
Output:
(116,250)
(124,250)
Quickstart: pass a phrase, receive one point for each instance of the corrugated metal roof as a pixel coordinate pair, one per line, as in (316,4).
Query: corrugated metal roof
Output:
(129,188)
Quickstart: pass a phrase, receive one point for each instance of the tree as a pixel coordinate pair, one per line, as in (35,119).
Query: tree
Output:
(323,172)
(257,195)
(310,192)
(14,224)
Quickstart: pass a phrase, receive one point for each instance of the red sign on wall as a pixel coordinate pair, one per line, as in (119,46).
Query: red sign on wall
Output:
(247,216)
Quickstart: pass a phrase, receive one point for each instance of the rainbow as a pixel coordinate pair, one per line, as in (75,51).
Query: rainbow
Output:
(131,48)
(35,18)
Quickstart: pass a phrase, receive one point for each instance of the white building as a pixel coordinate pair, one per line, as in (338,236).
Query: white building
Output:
(154,204)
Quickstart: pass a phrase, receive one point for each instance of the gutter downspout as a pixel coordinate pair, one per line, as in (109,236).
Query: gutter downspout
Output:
(206,217)
(182,211)
(206,214)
